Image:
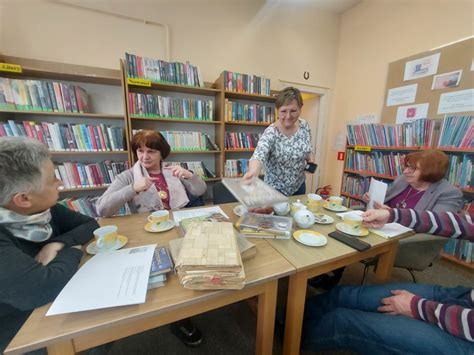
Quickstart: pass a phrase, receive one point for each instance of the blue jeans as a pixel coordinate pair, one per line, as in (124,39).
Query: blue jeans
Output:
(301,190)
(347,318)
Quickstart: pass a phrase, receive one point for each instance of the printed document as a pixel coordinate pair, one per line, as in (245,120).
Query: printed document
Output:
(178,216)
(108,279)
(377,191)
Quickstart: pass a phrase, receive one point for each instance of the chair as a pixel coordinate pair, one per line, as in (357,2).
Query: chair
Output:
(220,194)
(415,253)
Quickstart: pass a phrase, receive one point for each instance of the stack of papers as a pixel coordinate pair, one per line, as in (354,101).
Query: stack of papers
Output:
(209,257)
(391,230)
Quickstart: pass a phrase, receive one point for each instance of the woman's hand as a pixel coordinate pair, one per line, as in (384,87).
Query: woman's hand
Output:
(366,197)
(48,252)
(142,184)
(381,206)
(375,218)
(400,303)
(180,172)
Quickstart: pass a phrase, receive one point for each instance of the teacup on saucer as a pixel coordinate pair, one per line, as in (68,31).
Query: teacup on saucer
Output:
(321,218)
(93,249)
(157,227)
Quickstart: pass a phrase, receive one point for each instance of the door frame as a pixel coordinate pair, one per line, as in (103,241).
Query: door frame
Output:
(320,127)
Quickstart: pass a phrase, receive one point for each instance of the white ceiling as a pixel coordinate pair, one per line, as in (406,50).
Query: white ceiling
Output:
(336,6)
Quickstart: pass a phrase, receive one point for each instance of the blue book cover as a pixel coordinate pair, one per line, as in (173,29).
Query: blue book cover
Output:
(161,262)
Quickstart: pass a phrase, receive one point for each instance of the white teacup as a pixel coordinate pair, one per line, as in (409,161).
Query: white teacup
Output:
(335,201)
(314,202)
(295,206)
(106,237)
(159,216)
(281,208)
(353,221)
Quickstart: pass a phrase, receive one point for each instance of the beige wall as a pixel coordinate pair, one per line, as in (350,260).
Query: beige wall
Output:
(253,36)
(373,34)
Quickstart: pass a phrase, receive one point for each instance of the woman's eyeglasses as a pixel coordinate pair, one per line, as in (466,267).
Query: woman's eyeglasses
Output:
(409,168)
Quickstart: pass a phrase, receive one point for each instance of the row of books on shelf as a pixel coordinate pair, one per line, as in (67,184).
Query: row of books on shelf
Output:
(77,175)
(197,167)
(355,185)
(67,136)
(187,141)
(235,167)
(42,95)
(354,204)
(245,112)
(147,105)
(87,206)
(241,140)
(385,163)
(461,249)
(456,132)
(460,172)
(246,83)
(160,71)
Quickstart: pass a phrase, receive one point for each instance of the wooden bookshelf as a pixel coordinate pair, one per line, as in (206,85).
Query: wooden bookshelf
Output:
(85,77)
(366,173)
(239,150)
(249,96)
(174,120)
(455,260)
(355,197)
(403,149)
(195,152)
(244,123)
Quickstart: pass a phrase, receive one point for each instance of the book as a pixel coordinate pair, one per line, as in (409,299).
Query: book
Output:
(265,226)
(391,230)
(156,281)
(161,262)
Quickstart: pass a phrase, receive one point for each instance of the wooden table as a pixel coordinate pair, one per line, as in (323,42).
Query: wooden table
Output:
(310,262)
(70,333)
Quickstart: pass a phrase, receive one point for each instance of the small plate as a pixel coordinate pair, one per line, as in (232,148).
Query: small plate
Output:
(336,209)
(323,218)
(345,229)
(240,210)
(157,227)
(310,238)
(121,241)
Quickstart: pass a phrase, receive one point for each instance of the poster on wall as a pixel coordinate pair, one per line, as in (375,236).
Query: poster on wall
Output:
(422,67)
(457,101)
(402,95)
(446,80)
(412,112)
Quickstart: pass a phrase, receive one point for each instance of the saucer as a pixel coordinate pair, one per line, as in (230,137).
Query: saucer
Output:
(240,210)
(321,218)
(345,229)
(335,209)
(310,238)
(121,241)
(156,227)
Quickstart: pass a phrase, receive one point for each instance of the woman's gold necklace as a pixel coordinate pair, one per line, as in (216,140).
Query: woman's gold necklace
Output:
(403,203)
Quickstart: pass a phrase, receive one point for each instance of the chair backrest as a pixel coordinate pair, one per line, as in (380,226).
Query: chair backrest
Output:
(220,194)
(419,251)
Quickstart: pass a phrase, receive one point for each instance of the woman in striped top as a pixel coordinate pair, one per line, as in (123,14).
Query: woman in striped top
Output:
(397,318)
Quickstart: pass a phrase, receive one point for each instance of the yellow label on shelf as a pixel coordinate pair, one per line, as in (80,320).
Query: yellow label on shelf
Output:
(139,82)
(362,148)
(13,68)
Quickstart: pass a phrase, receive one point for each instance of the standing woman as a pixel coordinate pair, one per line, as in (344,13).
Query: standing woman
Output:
(148,186)
(285,147)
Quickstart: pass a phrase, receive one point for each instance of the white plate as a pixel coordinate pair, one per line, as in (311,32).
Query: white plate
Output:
(323,218)
(335,209)
(310,238)
(344,228)
(157,227)
(240,210)
(121,241)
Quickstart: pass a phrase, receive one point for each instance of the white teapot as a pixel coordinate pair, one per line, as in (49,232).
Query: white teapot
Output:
(304,218)
(281,208)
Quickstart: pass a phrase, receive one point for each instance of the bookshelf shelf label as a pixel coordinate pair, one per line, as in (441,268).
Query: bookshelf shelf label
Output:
(139,82)
(362,148)
(12,68)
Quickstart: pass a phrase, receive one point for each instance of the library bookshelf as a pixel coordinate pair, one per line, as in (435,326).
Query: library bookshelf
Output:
(182,98)
(384,162)
(244,115)
(40,112)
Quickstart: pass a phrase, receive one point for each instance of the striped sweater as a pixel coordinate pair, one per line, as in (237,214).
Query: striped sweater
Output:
(452,318)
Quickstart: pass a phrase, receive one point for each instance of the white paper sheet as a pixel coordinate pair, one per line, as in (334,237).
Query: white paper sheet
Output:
(421,67)
(115,278)
(402,95)
(377,191)
(457,101)
(366,119)
(342,214)
(198,212)
(412,112)
(390,230)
